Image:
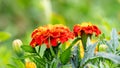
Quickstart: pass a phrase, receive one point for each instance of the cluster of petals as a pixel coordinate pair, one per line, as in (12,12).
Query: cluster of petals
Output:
(86,28)
(51,35)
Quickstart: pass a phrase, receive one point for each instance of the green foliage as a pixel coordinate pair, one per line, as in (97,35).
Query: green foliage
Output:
(89,53)
(110,56)
(17,64)
(65,56)
(75,60)
(28,48)
(41,49)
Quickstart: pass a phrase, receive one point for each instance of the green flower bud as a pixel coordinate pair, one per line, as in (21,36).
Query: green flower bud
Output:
(16,46)
(103,48)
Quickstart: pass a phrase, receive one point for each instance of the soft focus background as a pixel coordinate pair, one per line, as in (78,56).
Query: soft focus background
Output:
(18,18)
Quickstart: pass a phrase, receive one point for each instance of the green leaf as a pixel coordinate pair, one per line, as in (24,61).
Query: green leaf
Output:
(76,56)
(102,36)
(65,56)
(88,53)
(113,43)
(101,64)
(109,56)
(28,48)
(4,36)
(114,38)
(18,63)
(54,63)
(66,66)
(42,50)
(37,48)
(40,61)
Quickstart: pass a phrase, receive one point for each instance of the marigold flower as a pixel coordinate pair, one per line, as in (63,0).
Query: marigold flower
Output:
(30,65)
(87,29)
(54,33)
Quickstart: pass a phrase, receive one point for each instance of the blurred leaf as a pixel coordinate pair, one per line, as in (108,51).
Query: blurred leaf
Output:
(28,48)
(92,66)
(18,63)
(66,66)
(57,19)
(10,66)
(42,50)
(101,64)
(4,36)
(109,56)
(102,36)
(37,48)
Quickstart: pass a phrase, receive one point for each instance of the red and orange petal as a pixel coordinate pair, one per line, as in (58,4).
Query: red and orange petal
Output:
(56,33)
(77,30)
(89,29)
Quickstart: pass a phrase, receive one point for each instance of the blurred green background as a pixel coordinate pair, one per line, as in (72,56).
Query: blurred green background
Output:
(18,18)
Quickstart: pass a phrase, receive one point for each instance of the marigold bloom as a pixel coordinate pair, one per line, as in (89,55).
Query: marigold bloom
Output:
(30,65)
(54,33)
(87,29)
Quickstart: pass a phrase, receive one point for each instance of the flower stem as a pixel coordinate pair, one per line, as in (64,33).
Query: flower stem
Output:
(51,49)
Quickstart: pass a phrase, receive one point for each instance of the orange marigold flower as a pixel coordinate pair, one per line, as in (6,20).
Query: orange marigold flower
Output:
(30,65)
(56,33)
(87,29)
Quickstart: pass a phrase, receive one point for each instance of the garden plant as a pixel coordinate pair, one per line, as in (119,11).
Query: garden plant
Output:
(56,46)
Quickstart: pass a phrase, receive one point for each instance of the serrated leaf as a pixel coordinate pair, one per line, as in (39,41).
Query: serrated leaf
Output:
(65,56)
(42,50)
(114,39)
(88,41)
(76,56)
(28,48)
(4,36)
(88,53)
(109,56)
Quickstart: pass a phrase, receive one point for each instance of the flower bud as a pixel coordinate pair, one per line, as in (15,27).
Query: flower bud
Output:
(30,65)
(103,48)
(16,45)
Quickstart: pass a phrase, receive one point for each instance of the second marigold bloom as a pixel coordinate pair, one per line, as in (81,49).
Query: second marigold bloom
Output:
(54,33)
(87,29)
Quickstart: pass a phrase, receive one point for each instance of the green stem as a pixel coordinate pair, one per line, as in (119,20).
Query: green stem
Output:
(72,44)
(39,50)
(51,49)
(84,39)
